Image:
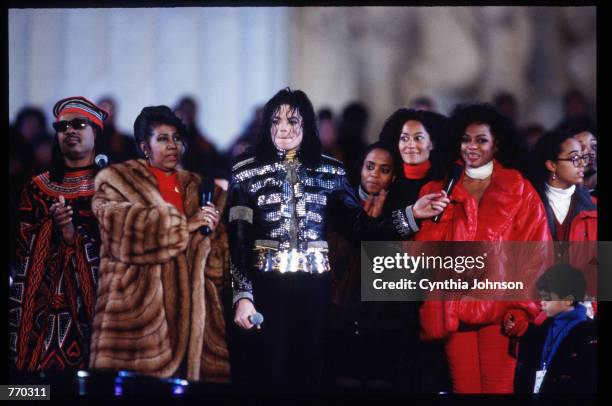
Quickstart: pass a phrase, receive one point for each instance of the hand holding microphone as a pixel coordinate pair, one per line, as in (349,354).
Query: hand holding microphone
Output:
(430,205)
(246,316)
(256,319)
(207,218)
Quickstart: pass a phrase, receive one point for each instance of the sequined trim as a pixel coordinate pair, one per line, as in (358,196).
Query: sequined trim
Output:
(309,234)
(260,184)
(260,171)
(316,199)
(241,213)
(272,198)
(273,216)
(313,260)
(320,183)
(275,245)
(312,216)
(401,223)
(241,284)
(333,169)
(300,208)
(281,230)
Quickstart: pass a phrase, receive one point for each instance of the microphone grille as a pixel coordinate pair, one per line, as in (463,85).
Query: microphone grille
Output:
(256,318)
(101,160)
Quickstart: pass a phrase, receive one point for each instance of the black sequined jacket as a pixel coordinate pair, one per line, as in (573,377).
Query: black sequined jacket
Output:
(282,208)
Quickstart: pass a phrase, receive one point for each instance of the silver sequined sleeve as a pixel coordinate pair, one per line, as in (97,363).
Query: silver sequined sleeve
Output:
(241,240)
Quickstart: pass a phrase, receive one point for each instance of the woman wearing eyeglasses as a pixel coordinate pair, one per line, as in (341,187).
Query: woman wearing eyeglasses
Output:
(158,310)
(490,202)
(571,212)
(570,209)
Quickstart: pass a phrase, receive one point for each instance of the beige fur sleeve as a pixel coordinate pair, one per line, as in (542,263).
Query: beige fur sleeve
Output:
(137,233)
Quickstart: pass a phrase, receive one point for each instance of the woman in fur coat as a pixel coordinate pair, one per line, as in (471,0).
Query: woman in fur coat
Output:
(159,310)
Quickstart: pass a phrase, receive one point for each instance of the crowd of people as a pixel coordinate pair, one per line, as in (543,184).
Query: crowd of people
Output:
(162,258)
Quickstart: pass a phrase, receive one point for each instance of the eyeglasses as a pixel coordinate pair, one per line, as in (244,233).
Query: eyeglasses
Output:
(576,159)
(76,124)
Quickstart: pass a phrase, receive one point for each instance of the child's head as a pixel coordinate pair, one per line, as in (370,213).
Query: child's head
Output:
(561,288)
(376,168)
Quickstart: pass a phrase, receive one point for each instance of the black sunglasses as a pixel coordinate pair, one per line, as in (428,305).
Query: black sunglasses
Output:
(76,123)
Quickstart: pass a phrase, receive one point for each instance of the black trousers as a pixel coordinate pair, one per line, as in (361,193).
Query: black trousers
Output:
(288,349)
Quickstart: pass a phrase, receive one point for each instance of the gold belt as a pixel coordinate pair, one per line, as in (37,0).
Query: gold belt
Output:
(312,260)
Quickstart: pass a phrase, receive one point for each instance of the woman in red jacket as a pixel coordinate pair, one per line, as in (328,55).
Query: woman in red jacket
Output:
(490,202)
(561,163)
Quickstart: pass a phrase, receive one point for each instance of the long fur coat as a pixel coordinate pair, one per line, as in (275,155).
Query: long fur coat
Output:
(158,310)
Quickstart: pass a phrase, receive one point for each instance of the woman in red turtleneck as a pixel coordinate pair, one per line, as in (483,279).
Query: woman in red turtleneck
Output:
(159,311)
(417,139)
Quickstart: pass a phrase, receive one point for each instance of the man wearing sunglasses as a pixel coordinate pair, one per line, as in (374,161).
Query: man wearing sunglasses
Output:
(53,294)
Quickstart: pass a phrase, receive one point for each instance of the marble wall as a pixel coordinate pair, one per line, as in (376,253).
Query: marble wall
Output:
(232,59)
(386,56)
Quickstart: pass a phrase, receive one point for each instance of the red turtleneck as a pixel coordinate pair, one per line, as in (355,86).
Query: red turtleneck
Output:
(169,187)
(418,171)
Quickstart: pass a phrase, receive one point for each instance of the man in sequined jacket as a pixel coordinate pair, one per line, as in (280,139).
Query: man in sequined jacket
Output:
(282,197)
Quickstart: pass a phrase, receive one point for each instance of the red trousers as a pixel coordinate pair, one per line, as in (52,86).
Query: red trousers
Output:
(480,361)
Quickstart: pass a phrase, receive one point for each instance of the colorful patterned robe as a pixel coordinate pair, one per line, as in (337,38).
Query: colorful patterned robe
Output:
(52,297)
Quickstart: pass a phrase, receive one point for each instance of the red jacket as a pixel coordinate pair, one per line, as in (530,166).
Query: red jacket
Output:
(583,226)
(509,210)
(582,253)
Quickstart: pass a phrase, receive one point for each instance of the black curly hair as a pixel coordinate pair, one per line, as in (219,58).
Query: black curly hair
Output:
(435,124)
(547,148)
(511,147)
(310,150)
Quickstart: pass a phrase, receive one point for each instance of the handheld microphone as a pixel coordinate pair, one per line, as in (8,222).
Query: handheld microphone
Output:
(454,174)
(256,319)
(206,193)
(101,160)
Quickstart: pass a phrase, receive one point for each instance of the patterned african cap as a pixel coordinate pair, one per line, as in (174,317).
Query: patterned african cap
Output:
(78,104)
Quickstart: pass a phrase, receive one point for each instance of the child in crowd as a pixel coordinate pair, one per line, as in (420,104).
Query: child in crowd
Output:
(560,356)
